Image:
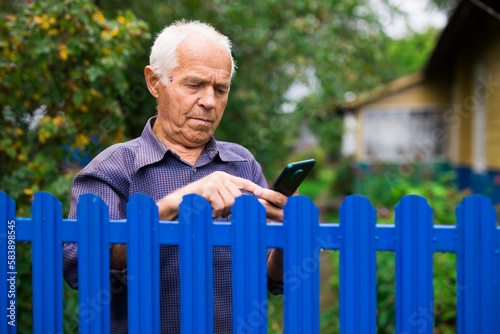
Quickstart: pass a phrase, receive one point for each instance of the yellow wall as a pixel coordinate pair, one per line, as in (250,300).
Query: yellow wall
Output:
(492,63)
(486,52)
(459,115)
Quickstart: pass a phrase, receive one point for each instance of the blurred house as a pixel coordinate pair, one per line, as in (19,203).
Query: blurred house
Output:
(449,114)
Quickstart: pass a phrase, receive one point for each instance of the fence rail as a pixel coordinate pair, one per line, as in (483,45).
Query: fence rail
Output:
(475,240)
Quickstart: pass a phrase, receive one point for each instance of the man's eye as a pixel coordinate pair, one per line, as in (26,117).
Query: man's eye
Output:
(221,91)
(193,86)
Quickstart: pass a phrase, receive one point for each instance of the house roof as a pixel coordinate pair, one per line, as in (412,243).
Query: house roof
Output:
(384,90)
(467,19)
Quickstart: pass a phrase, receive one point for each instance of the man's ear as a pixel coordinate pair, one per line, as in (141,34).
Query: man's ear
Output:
(151,80)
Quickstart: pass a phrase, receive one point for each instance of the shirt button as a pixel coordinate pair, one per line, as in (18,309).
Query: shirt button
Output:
(194,169)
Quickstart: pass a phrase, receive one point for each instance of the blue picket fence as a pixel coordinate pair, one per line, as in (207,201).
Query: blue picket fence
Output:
(475,239)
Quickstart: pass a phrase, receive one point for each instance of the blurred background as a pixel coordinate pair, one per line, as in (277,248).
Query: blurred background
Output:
(391,97)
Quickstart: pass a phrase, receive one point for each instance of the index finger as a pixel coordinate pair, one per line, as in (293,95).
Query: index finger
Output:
(273,197)
(243,184)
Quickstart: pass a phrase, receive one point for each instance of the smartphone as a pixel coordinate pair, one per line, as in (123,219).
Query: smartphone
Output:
(292,176)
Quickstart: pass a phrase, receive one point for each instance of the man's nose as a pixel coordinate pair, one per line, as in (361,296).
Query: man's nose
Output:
(207,99)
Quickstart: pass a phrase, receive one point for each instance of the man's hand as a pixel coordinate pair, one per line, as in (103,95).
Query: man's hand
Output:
(219,189)
(118,257)
(273,202)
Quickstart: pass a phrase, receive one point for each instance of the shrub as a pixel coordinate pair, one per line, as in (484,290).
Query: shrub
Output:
(61,73)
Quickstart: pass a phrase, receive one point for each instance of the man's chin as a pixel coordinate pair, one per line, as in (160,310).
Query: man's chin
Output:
(197,141)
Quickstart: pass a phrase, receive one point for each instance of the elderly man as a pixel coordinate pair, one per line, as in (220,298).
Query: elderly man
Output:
(190,73)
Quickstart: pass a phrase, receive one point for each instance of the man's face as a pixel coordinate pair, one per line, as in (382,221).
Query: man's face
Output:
(192,103)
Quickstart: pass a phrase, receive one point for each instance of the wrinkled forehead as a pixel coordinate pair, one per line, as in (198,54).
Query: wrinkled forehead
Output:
(197,50)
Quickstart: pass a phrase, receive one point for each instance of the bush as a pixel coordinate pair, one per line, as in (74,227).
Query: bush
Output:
(62,72)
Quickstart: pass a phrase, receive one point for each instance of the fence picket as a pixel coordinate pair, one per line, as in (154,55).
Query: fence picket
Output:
(249,266)
(47,264)
(475,239)
(94,294)
(143,265)
(477,289)
(358,277)
(414,266)
(7,214)
(196,265)
(301,266)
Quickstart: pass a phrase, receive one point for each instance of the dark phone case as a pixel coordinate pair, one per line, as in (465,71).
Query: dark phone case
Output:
(292,176)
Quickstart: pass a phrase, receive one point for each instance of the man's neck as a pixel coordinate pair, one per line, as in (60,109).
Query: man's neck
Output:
(188,154)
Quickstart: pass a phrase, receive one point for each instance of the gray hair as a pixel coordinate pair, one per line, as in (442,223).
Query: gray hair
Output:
(164,53)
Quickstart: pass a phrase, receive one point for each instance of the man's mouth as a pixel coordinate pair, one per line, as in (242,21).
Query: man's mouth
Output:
(201,119)
(201,122)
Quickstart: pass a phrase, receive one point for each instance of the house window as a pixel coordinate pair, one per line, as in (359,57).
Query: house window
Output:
(402,134)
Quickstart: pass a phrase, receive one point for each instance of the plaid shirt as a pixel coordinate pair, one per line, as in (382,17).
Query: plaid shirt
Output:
(146,166)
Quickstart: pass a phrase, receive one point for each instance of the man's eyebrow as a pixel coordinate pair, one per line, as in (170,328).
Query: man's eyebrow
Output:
(193,79)
(201,80)
(223,85)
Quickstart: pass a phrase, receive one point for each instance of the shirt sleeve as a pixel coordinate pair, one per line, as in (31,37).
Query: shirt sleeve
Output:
(87,183)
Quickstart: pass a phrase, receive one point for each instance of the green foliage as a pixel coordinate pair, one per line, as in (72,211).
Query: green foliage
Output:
(385,184)
(275,310)
(344,178)
(409,54)
(62,68)
(442,194)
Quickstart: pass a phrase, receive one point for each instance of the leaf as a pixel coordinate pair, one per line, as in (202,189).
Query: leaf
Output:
(78,97)
(93,72)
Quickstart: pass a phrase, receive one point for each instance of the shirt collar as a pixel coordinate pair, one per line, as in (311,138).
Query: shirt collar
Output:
(225,154)
(152,149)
